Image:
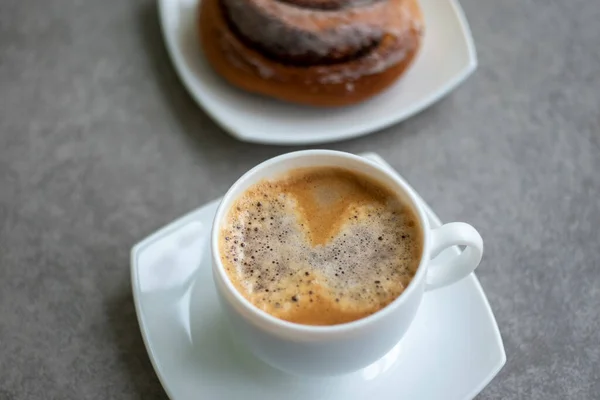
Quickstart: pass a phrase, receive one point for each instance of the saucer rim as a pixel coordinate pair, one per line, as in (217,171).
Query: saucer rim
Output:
(202,98)
(189,217)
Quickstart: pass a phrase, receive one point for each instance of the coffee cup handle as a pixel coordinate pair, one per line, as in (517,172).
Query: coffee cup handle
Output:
(452,269)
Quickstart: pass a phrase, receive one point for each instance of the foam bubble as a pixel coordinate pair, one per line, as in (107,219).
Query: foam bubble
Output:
(320,246)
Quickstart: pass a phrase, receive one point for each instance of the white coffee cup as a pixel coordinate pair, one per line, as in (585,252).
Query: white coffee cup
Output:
(338,349)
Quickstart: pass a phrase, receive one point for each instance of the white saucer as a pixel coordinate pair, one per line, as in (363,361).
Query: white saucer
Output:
(452,350)
(447,58)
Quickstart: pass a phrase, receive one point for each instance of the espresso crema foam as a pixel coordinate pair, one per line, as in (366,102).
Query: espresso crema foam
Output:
(320,246)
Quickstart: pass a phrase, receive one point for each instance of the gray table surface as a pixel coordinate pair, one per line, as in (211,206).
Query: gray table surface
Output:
(100,145)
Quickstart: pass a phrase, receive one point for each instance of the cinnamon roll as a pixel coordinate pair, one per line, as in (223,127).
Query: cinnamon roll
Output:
(315,52)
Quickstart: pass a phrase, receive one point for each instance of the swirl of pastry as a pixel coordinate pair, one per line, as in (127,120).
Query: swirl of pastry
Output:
(317,52)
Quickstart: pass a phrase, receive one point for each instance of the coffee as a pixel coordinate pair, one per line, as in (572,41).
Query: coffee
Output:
(320,246)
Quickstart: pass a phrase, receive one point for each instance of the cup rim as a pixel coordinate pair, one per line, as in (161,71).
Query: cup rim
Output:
(265,319)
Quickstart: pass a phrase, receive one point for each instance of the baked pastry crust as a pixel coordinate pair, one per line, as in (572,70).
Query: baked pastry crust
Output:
(308,51)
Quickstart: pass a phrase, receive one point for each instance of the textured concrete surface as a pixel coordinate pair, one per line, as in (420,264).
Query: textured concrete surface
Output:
(100,145)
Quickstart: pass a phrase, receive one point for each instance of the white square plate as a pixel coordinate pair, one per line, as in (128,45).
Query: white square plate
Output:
(446,59)
(452,350)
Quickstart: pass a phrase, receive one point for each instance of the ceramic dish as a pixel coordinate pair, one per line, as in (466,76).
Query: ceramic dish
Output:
(446,59)
(452,350)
